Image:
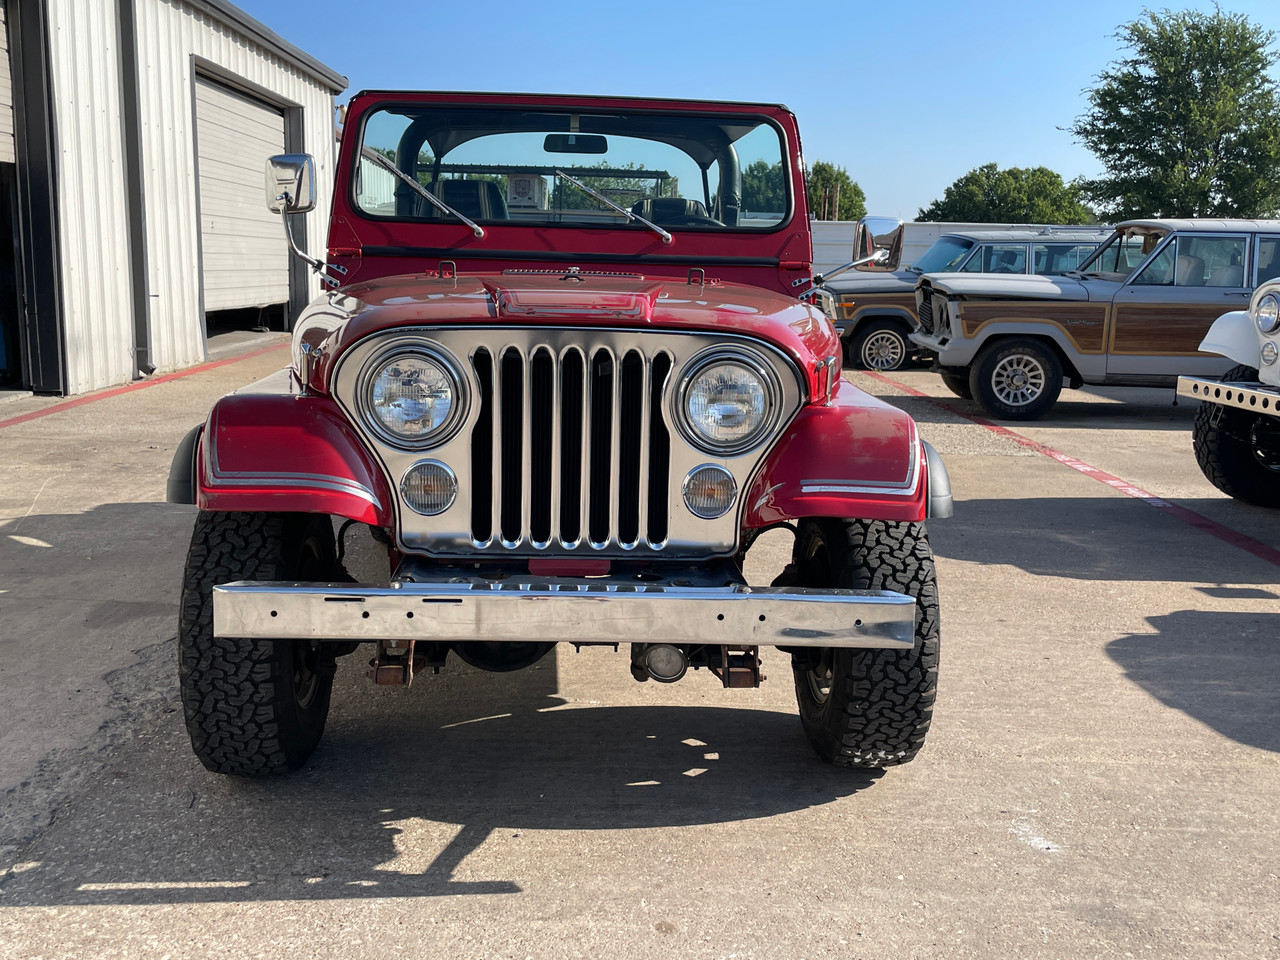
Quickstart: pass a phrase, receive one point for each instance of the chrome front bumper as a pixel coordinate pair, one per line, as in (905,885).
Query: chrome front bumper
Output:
(582,611)
(1255,397)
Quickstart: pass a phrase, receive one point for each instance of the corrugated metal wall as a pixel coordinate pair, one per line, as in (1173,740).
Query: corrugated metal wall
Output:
(169,34)
(92,216)
(6,93)
(172,40)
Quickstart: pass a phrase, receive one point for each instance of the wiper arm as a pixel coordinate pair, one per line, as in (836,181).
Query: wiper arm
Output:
(374,157)
(666,237)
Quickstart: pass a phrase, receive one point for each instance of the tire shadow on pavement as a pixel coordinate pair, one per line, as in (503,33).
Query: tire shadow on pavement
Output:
(403,790)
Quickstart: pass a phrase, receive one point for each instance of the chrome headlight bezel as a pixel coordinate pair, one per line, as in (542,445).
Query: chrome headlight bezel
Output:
(1266,313)
(752,363)
(448,365)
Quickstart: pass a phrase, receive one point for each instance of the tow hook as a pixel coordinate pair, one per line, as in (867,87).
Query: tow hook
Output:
(393,664)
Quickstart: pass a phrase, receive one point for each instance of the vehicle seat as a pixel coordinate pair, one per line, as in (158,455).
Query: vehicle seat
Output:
(668,209)
(477,199)
(1006,262)
(1231,275)
(1190,272)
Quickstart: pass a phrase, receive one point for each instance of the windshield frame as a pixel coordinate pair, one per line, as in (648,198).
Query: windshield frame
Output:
(956,263)
(703,231)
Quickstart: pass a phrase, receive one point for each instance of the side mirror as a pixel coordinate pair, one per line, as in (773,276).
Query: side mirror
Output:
(291,183)
(874,234)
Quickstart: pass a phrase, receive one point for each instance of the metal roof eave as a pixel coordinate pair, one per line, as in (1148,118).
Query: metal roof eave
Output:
(237,19)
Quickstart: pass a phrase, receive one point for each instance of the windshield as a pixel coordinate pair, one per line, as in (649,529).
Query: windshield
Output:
(944,256)
(516,167)
(1121,255)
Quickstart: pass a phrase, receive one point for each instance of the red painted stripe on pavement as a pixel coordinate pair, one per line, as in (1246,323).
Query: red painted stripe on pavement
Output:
(129,388)
(1192,519)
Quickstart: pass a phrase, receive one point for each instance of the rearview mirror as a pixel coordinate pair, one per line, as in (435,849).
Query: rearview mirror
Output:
(874,234)
(575,143)
(291,183)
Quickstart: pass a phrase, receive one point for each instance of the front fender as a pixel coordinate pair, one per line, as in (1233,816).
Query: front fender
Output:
(270,448)
(1234,336)
(857,458)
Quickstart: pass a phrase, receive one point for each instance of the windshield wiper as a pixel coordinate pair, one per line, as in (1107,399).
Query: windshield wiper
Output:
(374,157)
(666,237)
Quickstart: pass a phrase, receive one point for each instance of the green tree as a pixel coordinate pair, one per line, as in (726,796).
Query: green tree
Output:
(833,194)
(988,194)
(1188,124)
(763,189)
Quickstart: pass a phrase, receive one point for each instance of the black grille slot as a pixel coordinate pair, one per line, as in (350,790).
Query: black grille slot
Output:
(542,383)
(570,448)
(631,421)
(571,406)
(512,472)
(659,451)
(601,466)
(482,451)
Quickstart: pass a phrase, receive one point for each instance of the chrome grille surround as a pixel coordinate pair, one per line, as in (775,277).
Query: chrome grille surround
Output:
(591,428)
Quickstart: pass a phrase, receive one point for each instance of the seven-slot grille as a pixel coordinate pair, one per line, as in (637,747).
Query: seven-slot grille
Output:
(570,448)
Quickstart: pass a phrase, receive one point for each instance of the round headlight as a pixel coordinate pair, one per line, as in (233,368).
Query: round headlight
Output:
(729,403)
(1269,352)
(1267,314)
(413,398)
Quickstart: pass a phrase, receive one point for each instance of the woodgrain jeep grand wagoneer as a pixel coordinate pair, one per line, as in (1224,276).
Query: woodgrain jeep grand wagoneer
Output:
(876,311)
(1134,314)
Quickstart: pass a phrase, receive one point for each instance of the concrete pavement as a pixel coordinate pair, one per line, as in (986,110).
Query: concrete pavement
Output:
(1099,780)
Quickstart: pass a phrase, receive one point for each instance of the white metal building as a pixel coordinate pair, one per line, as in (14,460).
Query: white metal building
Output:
(131,176)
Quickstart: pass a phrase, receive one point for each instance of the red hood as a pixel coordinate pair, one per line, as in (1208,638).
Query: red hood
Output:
(548,299)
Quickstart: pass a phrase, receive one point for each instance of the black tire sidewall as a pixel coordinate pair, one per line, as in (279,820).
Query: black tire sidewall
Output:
(238,694)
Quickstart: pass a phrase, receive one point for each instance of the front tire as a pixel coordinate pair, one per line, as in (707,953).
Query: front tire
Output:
(1016,380)
(956,379)
(253,707)
(868,708)
(1225,451)
(881,345)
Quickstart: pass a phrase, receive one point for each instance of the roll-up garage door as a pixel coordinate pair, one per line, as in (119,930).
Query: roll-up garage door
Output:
(6,93)
(243,252)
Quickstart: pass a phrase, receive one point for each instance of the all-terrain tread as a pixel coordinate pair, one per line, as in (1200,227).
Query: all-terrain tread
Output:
(235,691)
(881,702)
(1220,439)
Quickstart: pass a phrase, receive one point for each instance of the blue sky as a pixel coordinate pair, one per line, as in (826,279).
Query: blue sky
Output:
(907,97)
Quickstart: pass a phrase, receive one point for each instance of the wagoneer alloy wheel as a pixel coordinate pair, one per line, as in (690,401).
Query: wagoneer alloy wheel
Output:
(1016,380)
(253,707)
(881,345)
(868,707)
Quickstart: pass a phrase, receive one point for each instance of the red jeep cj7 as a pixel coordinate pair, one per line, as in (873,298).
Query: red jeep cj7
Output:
(572,362)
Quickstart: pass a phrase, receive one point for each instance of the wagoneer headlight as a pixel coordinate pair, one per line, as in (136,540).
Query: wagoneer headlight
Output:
(728,401)
(1267,314)
(413,398)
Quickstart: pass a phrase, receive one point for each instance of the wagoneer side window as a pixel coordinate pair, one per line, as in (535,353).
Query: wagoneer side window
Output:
(1191,261)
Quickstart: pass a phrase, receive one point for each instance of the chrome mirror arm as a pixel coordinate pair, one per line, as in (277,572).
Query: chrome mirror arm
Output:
(318,266)
(818,279)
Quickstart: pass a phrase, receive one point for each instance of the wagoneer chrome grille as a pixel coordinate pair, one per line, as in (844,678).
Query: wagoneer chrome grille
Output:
(567,442)
(570,448)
